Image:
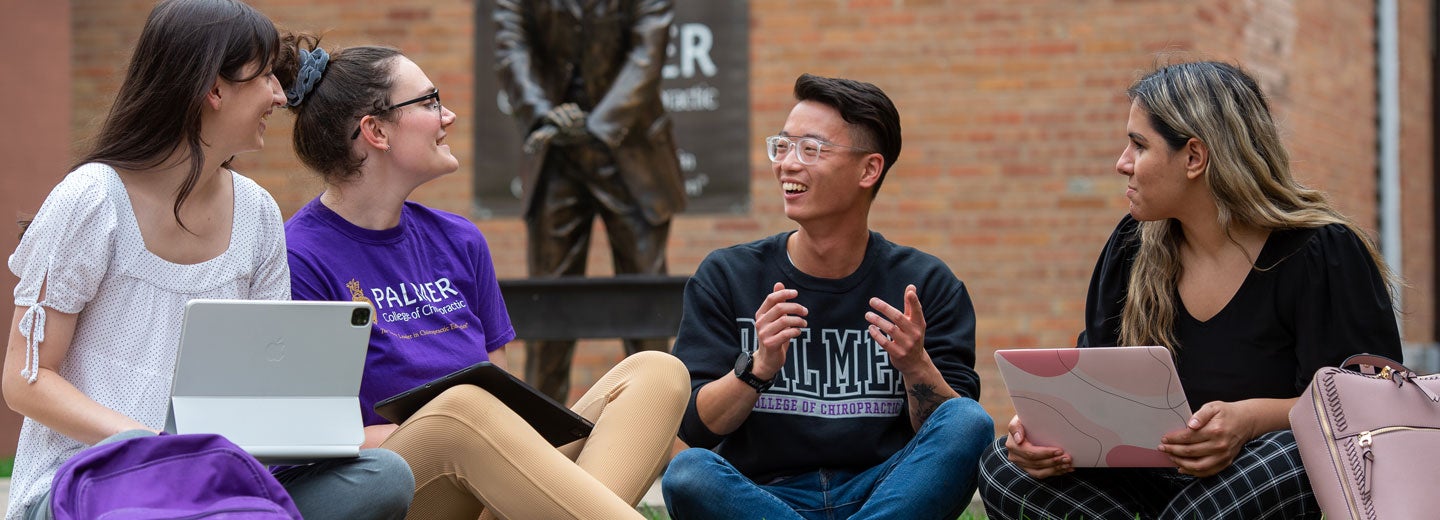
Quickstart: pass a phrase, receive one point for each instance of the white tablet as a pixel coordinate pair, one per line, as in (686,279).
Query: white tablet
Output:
(280,379)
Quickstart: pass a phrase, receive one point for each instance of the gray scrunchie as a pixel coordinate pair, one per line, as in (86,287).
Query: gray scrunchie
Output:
(312,65)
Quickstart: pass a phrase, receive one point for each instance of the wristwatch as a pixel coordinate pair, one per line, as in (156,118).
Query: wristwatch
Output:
(743,364)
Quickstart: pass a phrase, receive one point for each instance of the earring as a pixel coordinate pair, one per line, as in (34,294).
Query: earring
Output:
(387,148)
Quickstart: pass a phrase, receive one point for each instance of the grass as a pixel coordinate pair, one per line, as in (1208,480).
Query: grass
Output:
(651,513)
(7,464)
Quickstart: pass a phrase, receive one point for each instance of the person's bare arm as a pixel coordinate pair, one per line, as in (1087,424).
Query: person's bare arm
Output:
(902,335)
(725,403)
(497,358)
(51,400)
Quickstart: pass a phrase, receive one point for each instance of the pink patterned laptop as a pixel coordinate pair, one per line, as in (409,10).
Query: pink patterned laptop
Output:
(1106,407)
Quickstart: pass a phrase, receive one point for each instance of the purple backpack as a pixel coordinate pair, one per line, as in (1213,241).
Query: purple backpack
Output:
(168,476)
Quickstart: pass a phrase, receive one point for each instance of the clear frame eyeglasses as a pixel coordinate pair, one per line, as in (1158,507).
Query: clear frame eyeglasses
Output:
(808,149)
(433,107)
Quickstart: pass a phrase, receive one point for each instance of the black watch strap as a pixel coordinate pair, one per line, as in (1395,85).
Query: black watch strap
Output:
(743,365)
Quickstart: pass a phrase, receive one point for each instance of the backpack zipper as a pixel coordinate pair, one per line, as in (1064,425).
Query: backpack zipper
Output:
(208,514)
(1367,440)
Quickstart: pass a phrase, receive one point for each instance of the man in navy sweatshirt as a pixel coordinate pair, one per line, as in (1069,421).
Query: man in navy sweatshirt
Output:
(832,370)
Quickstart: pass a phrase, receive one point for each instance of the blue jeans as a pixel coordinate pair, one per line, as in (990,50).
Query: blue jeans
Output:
(932,477)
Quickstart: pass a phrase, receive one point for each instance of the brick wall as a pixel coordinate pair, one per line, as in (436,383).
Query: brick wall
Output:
(1013,112)
(35,149)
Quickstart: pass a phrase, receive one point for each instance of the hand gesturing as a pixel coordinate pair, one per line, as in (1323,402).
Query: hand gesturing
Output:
(778,321)
(901,334)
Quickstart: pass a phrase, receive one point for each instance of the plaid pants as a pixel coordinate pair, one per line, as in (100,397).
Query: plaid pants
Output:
(1266,480)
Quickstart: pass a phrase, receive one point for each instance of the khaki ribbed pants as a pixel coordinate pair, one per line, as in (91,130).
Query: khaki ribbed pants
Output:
(472,454)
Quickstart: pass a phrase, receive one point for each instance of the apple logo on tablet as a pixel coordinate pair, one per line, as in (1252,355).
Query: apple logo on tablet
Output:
(275,351)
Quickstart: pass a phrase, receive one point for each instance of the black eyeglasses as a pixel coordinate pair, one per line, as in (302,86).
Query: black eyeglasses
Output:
(435,95)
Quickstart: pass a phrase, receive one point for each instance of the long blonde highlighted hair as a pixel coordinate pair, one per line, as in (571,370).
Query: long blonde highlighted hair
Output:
(1248,173)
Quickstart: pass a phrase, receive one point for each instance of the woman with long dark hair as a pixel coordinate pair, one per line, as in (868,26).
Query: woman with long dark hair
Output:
(150,219)
(1252,280)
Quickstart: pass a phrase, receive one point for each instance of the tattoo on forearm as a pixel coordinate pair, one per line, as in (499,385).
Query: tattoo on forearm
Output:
(926,400)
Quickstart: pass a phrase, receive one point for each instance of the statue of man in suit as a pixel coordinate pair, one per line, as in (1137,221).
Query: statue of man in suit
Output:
(583,81)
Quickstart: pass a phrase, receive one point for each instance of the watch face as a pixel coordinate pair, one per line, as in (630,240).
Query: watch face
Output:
(742,363)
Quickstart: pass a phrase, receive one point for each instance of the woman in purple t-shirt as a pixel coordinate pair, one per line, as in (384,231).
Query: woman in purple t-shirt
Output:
(371,123)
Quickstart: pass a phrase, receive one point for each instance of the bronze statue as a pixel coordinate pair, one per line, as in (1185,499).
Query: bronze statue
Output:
(583,82)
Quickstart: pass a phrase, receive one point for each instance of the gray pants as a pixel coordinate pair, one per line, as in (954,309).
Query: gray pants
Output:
(376,485)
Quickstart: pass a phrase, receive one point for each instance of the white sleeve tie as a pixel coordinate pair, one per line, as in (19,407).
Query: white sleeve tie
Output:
(32,327)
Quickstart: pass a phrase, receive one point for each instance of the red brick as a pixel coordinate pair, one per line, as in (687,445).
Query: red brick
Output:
(1005,106)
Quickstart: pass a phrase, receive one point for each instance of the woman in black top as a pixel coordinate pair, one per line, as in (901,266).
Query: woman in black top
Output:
(1252,281)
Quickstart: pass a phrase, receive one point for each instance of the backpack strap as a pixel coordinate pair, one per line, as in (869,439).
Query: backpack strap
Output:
(1374,361)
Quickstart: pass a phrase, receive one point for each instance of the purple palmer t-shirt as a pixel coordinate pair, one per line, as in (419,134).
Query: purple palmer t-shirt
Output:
(430,280)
